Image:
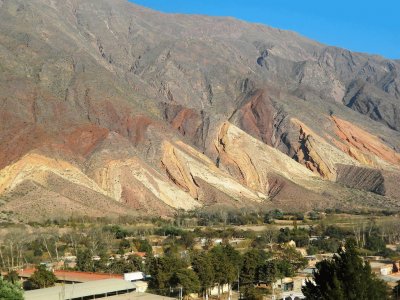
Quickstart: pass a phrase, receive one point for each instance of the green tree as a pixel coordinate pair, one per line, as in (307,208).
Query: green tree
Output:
(202,265)
(267,272)
(187,239)
(345,277)
(84,261)
(124,244)
(284,268)
(251,293)
(252,260)
(225,270)
(12,277)
(136,263)
(120,266)
(293,257)
(144,246)
(396,291)
(42,278)
(375,243)
(161,270)
(187,279)
(10,291)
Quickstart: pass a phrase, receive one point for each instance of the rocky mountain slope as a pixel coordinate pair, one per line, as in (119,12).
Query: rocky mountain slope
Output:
(108,108)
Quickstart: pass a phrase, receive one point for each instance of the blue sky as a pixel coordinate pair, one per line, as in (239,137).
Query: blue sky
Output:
(364,26)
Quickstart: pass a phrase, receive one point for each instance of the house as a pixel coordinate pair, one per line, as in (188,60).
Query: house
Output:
(312,260)
(142,255)
(284,284)
(69,261)
(236,241)
(381,268)
(290,288)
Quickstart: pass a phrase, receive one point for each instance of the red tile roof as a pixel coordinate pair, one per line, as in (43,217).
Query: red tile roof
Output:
(140,254)
(75,276)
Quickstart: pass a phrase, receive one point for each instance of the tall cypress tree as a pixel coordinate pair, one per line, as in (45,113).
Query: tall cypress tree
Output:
(345,277)
(202,265)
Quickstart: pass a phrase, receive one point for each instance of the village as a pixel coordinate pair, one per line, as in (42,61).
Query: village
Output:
(175,259)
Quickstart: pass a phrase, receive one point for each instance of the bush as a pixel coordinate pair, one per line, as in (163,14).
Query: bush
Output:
(118,232)
(168,231)
(10,291)
(375,243)
(42,278)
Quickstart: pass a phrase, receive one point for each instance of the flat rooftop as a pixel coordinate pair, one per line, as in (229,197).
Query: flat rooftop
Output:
(99,288)
(139,296)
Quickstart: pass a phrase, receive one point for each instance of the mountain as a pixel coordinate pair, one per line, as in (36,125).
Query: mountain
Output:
(108,108)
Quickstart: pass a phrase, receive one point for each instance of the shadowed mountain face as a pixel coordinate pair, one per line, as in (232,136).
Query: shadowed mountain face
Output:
(108,108)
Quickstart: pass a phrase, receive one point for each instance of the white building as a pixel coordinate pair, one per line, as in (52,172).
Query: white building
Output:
(134,276)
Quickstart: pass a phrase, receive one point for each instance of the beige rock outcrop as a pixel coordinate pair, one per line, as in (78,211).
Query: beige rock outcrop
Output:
(251,161)
(37,168)
(117,175)
(317,154)
(184,165)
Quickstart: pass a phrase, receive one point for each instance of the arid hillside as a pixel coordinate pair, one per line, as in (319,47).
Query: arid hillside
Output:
(108,108)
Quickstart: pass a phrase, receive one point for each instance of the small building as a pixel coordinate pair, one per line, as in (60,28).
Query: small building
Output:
(291,243)
(134,276)
(312,260)
(285,284)
(69,261)
(381,268)
(142,255)
(217,241)
(141,286)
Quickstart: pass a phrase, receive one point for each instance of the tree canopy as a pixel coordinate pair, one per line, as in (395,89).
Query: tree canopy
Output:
(396,291)
(42,278)
(187,279)
(202,265)
(345,277)
(10,291)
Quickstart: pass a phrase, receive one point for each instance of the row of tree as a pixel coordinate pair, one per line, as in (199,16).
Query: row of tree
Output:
(200,271)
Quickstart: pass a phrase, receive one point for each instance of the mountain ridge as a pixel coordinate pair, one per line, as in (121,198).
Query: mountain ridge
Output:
(148,107)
